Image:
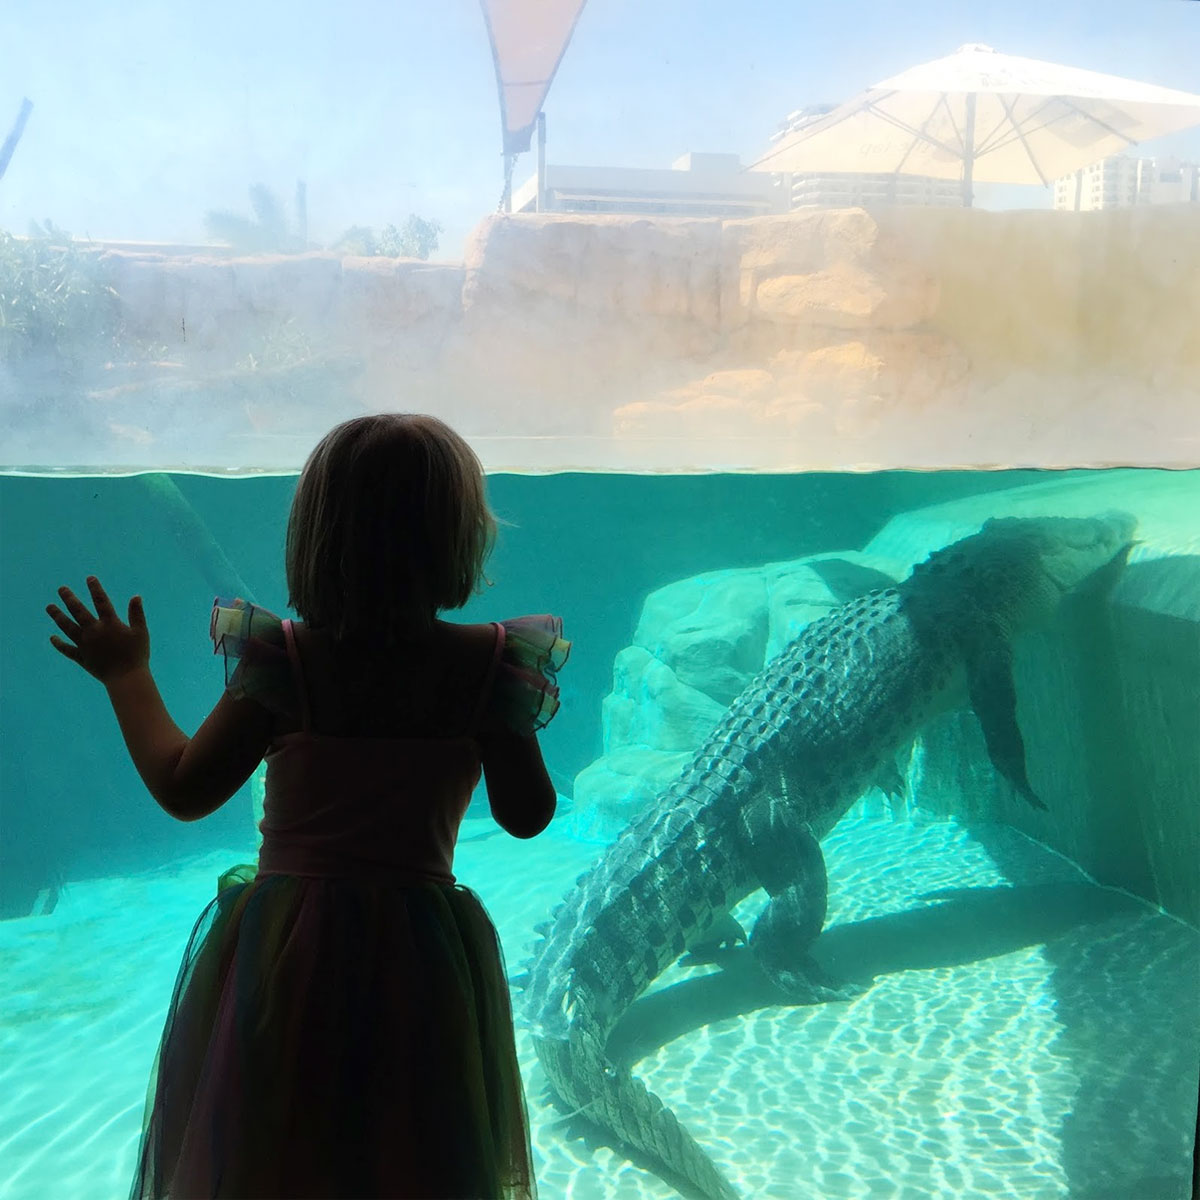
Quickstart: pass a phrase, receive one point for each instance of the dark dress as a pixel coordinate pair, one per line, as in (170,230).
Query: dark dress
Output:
(341,1024)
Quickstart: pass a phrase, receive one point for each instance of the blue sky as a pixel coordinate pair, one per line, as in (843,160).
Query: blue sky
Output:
(149,113)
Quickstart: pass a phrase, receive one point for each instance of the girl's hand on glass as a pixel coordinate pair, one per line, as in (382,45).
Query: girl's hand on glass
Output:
(103,645)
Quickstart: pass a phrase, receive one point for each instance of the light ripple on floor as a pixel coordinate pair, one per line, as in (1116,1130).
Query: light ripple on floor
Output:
(1033,1037)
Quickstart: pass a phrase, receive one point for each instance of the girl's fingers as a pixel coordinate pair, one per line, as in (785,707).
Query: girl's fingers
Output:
(75,606)
(61,619)
(104,608)
(64,649)
(137,614)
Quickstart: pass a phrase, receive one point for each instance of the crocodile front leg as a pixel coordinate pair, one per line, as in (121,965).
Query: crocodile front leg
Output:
(786,858)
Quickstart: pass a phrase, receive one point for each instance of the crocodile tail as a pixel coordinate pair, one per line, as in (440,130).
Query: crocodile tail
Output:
(583,1077)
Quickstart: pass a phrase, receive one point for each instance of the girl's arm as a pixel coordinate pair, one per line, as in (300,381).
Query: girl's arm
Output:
(189,777)
(520,793)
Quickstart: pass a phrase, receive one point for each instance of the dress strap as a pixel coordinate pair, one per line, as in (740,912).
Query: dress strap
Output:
(297,676)
(485,692)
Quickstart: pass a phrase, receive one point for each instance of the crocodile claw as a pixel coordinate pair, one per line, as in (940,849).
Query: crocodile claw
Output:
(810,983)
(717,944)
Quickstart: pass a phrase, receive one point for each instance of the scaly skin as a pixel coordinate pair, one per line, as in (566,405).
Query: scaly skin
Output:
(804,740)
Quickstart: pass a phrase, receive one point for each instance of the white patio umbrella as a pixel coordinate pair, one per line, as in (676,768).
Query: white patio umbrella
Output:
(980,115)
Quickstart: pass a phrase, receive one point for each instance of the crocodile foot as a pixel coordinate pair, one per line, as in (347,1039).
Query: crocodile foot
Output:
(717,943)
(807,982)
(782,941)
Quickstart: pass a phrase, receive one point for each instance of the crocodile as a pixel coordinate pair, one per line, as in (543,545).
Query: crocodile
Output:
(807,736)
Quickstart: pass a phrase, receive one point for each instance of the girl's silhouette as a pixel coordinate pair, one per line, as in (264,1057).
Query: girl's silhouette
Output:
(341,1024)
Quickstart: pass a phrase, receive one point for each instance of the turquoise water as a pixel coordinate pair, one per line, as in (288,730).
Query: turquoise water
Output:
(1029,1024)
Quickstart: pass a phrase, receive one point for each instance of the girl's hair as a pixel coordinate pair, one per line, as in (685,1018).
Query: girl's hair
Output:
(390,524)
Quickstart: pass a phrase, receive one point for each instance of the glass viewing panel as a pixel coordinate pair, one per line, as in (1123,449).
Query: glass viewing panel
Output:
(887,874)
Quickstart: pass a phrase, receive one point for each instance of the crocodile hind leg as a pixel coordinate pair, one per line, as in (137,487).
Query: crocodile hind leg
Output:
(786,859)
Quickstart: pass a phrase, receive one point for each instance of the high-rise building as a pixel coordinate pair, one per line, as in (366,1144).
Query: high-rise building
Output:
(1123,182)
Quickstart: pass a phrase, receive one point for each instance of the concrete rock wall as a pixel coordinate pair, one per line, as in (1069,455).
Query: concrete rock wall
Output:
(1110,713)
(822,339)
(698,643)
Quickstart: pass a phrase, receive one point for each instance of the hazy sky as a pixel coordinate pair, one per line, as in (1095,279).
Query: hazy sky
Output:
(149,113)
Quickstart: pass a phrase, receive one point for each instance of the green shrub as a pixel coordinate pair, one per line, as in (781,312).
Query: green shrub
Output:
(416,238)
(54,302)
(267,232)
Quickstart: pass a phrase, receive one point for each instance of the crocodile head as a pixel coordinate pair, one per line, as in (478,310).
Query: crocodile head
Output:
(1007,578)
(1015,570)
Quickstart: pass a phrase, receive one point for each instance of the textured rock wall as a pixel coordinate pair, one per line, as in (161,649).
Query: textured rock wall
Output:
(698,643)
(821,339)
(1111,717)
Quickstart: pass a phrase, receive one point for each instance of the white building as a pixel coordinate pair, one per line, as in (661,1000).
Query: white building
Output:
(858,190)
(846,189)
(1123,182)
(697,185)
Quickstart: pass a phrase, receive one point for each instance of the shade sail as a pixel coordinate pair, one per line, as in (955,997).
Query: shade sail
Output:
(528,39)
(978,114)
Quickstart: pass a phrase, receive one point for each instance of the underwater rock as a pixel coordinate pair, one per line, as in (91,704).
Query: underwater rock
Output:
(644,685)
(710,630)
(618,787)
(698,642)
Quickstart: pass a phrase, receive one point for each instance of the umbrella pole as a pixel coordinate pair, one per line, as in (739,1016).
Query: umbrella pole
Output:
(510,162)
(541,162)
(969,152)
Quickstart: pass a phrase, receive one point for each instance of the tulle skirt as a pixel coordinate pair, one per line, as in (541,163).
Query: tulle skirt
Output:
(329,1038)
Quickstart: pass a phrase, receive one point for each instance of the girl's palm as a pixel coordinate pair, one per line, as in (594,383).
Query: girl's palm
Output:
(102,644)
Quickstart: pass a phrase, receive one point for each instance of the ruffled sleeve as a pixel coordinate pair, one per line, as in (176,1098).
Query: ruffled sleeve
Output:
(255,650)
(525,689)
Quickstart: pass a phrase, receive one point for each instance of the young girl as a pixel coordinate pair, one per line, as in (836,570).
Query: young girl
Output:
(341,1024)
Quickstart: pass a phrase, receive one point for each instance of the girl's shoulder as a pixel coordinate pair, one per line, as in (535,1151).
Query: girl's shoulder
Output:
(508,666)
(531,651)
(253,642)
(451,637)
(490,677)
(534,642)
